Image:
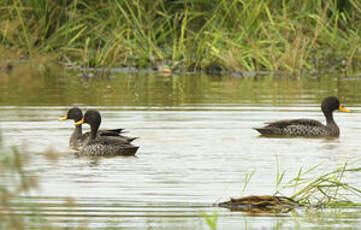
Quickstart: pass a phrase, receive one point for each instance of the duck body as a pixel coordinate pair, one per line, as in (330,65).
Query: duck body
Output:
(104,145)
(78,138)
(307,127)
(108,146)
(299,127)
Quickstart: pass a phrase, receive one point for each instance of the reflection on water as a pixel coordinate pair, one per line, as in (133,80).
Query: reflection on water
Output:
(196,145)
(53,88)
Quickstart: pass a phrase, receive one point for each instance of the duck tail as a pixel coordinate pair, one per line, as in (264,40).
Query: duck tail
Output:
(130,151)
(265,131)
(131,139)
(118,130)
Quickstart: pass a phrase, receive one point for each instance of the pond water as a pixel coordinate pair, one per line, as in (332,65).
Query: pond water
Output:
(196,145)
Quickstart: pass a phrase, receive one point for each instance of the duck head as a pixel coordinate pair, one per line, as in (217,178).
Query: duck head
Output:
(93,118)
(330,104)
(74,114)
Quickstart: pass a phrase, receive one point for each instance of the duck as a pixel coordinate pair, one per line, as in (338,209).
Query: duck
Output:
(307,127)
(78,138)
(101,145)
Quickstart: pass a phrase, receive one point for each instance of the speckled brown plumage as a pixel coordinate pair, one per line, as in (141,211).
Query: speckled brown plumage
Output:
(108,146)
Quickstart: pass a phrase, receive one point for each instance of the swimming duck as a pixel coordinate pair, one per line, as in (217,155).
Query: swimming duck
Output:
(98,145)
(77,138)
(307,127)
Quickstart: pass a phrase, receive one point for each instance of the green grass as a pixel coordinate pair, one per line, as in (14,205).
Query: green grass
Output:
(231,35)
(328,189)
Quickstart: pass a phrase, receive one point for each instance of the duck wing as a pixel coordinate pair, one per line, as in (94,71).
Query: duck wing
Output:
(110,132)
(285,123)
(115,133)
(296,127)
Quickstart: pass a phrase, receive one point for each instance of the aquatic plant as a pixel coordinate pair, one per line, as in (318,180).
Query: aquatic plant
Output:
(15,181)
(326,190)
(211,220)
(234,35)
(329,189)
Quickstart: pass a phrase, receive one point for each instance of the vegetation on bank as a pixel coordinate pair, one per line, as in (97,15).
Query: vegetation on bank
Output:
(210,35)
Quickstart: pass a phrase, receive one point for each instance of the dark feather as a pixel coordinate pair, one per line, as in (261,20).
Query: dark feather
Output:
(285,123)
(110,132)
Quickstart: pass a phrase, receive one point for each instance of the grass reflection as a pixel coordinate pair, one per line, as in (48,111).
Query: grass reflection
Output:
(38,84)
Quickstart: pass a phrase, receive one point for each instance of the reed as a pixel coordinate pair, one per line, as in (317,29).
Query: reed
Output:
(234,35)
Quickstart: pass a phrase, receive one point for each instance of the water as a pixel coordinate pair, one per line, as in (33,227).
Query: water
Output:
(196,146)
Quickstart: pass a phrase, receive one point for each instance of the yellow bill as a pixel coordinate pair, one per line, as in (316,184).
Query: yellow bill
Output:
(343,109)
(80,122)
(63,118)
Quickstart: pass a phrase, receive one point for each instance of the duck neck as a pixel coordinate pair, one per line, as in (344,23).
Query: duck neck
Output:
(93,131)
(329,120)
(76,134)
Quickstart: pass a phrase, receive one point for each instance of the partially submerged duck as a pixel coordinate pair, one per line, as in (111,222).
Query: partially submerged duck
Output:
(260,204)
(99,145)
(78,138)
(307,127)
